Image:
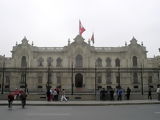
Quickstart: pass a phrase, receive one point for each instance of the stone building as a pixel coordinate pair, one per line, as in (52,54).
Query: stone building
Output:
(79,67)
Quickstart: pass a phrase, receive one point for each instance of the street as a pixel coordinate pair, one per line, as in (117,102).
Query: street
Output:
(115,112)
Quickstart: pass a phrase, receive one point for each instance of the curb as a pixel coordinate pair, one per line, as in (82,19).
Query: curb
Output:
(83,104)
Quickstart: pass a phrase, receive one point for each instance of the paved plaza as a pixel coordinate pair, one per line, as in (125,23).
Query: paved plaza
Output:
(111,112)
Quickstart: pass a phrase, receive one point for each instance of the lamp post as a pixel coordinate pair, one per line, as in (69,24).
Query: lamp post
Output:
(72,81)
(48,77)
(3,75)
(95,78)
(141,80)
(119,77)
(25,80)
(158,77)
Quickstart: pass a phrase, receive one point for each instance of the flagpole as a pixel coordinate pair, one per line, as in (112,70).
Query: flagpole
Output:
(79,27)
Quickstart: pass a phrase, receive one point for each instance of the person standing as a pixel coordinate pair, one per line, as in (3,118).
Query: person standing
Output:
(23,97)
(63,97)
(102,94)
(111,94)
(55,95)
(149,93)
(119,93)
(48,95)
(128,93)
(158,92)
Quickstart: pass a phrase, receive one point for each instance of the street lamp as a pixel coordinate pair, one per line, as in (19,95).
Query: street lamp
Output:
(72,80)
(25,81)
(3,75)
(119,77)
(141,79)
(48,77)
(95,78)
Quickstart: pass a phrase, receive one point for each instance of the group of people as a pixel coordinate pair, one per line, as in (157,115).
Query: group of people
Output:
(53,94)
(15,95)
(112,94)
(119,93)
(150,92)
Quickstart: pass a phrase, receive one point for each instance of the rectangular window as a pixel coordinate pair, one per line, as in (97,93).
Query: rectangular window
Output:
(22,78)
(58,80)
(117,79)
(40,79)
(108,77)
(6,86)
(39,86)
(99,87)
(22,86)
(99,78)
(136,86)
(150,79)
(151,86)
(7,80)
(135,78)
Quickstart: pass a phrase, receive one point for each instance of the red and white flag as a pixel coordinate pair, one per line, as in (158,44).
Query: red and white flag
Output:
(92,38)
(81,28)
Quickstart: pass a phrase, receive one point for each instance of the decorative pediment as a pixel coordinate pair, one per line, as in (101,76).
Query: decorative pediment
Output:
(79,39)
(24,41)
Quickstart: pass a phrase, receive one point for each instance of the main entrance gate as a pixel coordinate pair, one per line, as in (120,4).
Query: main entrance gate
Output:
(79,80)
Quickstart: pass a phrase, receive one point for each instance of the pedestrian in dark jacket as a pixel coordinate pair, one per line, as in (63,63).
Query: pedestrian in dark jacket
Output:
(111,94)
(128,93)
(48,95)
(150,93)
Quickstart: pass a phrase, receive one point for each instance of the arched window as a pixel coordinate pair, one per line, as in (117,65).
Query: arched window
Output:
(117,62)
(99,62)
(79,61)
(108,62)
(134,60)
(49,61)
(23,61)
(59,62)
(40,61)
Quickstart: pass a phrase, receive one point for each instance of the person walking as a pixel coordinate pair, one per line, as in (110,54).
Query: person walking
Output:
(128,93)
(10,100)
(158,92)
(63,97)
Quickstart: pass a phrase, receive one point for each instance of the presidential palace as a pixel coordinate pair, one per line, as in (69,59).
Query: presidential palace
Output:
(79,67)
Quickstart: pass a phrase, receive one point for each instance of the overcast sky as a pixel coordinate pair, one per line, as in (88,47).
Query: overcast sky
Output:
(49,23)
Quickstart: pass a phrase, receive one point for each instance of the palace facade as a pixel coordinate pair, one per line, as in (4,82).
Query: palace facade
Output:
(79,67)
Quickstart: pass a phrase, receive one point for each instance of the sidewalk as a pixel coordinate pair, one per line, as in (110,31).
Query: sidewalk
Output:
(82,103)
